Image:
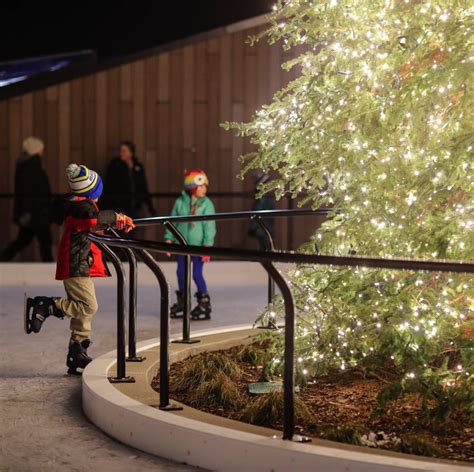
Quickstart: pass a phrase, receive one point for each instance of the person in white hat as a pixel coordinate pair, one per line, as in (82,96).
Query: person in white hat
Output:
(31,204)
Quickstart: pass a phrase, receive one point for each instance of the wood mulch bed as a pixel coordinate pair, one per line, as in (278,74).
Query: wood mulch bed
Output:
(347,398)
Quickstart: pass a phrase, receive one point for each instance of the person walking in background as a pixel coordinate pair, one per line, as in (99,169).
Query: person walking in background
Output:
(125,185)
(31,204)
(265,202)
(193,201)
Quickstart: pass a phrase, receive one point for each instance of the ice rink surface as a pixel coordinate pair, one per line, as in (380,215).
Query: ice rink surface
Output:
(42,424)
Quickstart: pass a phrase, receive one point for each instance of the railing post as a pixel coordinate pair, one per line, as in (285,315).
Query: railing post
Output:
(164,330)
(132,304)
(271,283)
(132,309)
(186,339)
(290,223)
(121,376)
(289,371)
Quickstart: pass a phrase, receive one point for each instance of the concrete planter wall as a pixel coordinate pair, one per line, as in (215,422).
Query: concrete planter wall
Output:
(217,445)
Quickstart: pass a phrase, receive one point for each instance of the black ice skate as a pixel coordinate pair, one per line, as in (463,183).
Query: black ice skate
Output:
(178,307)
(203,309)
(77,357)
(37,310)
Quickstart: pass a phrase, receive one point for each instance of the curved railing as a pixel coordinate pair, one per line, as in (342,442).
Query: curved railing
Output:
(141,249)
(258,216)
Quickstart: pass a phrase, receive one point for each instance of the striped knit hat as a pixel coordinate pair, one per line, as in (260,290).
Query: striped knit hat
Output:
(193,179)
(84,182)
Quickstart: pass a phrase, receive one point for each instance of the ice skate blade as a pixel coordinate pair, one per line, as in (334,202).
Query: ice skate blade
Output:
(74,372)
(201,318)
(28,305)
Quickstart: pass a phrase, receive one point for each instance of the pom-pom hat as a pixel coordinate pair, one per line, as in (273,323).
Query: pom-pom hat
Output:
(193,179)
(84,182)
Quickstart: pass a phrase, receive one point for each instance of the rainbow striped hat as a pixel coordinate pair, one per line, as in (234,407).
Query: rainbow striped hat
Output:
(193,179)
(84,182)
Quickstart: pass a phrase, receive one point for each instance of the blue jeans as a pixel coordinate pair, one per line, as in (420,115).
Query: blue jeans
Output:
(197,273)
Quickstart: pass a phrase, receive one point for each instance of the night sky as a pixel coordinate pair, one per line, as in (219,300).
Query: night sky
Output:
(112,28)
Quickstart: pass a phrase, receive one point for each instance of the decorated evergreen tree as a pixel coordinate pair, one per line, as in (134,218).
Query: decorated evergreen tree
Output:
(379,124)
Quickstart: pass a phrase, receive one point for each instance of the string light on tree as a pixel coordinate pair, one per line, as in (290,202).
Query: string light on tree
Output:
(379,123)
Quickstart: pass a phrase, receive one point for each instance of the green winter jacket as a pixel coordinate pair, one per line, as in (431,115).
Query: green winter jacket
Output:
(197,233)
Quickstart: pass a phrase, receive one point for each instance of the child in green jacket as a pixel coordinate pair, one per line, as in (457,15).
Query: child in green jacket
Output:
(193,201)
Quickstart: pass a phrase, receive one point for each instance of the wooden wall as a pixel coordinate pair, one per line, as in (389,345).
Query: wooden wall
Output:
(170,105)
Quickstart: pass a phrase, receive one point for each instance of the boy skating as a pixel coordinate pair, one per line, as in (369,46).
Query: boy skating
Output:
(79,260)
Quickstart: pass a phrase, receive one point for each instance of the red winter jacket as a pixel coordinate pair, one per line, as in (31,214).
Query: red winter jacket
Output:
(78,256)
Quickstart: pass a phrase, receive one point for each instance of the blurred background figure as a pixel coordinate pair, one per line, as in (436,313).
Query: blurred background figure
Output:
(266,202)
(32,202)
(126,186)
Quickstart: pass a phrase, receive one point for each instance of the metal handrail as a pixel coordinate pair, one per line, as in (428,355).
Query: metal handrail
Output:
(154,220)
(132,303)
(121,376)
(258,216)
(164,329)
(186,339)
(169,221)
(252,255)
(267,259)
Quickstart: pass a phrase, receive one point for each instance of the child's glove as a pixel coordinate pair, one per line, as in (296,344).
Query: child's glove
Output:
(206,258)
(124,222)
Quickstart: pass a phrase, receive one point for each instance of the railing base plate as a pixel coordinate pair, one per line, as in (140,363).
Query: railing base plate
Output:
(171,407)
(136,359)
(186,341)
(299,438)
(127,379)
(271,327)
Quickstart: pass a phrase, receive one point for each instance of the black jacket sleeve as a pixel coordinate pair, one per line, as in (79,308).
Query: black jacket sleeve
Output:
(19,202)
(34,193)
(143,193)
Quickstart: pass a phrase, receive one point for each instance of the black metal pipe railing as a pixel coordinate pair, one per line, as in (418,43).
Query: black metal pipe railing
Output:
(166,221)
(271,283)
(147,258)
(154,220)
(121,376)
(289,368)
(169,222)
(187,287)
(132,304)
(267,259)
(251,255)
(132,309)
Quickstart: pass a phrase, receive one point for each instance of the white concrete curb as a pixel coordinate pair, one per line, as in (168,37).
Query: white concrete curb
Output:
(215,447)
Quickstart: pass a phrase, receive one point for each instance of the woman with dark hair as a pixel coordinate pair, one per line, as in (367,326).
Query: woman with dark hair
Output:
(126,186)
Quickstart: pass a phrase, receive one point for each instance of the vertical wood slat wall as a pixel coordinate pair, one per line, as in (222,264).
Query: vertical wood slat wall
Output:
(171,106)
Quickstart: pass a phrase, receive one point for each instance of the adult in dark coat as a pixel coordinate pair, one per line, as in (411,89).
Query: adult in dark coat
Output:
(126,186)
(32,202)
